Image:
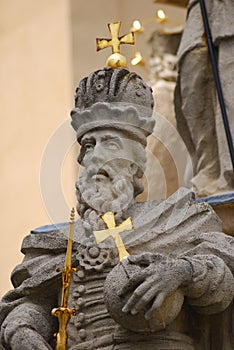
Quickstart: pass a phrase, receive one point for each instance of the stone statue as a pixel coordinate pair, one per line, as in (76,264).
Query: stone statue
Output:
(175,288)
(163,68)
(198,114)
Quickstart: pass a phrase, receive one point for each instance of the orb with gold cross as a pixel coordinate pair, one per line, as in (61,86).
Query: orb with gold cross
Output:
(116,59)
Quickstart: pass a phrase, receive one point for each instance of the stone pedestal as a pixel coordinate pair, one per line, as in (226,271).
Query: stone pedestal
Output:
(223,204)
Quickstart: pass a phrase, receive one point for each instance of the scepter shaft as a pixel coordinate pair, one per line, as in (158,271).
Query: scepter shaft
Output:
(63,312)
(67,271)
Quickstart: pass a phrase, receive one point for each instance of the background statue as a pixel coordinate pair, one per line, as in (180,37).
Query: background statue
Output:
(198,114)
(163,67)
(175,289)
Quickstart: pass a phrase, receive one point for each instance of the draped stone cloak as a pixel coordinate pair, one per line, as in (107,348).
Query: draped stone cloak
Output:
(198,115)
(176,227)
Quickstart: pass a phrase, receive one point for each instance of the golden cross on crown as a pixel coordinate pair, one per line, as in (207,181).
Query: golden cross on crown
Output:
(116,59)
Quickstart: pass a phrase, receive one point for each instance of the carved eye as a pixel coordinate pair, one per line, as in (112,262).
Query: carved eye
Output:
(112,145)
(88,147)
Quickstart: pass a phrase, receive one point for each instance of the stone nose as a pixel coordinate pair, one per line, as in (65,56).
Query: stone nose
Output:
(98,154)
(101,154)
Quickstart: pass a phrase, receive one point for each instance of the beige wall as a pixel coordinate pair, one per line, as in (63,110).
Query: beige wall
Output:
(36,95)
(90,18)
(46,47)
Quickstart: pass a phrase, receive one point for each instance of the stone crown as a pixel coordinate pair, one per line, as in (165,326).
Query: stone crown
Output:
(113,98)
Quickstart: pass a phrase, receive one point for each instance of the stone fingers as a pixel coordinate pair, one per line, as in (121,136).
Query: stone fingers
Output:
(145,258)
(136,298)
(156,304)
(143,295)
(144,300)
(134,281)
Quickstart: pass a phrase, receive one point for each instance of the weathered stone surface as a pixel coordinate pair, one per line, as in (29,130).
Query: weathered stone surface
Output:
(223,205)
(167,153)
(115,299)
(198,114)
(180,264)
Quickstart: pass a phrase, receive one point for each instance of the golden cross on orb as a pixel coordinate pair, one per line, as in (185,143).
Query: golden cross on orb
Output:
(116,59)
(114,232)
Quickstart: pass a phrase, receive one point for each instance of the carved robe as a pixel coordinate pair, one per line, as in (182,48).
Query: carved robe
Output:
(177,227)
(198,114)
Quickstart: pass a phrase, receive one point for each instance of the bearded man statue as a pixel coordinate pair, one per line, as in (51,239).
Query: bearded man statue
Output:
(174,289)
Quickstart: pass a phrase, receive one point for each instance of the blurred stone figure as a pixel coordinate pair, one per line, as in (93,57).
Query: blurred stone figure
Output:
(198,114)
(175,287)
(165,142)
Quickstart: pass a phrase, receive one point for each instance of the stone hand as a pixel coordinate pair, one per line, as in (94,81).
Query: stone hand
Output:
(159,277)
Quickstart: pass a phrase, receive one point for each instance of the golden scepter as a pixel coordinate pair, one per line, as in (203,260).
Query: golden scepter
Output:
(63,312)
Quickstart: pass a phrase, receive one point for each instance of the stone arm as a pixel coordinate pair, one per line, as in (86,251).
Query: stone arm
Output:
(205,280)
(211,288)
(29,326)
(25,312)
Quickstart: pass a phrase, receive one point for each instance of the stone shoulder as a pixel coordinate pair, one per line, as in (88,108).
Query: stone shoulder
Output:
(51,228)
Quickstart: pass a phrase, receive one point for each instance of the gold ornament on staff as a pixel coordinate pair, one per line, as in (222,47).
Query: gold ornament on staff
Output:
(115,60)
(64,313)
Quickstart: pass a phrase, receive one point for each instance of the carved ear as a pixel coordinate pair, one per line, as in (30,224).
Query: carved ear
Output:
(133,168)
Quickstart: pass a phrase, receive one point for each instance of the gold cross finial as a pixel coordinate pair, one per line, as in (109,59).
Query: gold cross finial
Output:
(116,59)
(114,231)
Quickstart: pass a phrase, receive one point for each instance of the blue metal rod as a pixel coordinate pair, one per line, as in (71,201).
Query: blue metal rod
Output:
(217,80)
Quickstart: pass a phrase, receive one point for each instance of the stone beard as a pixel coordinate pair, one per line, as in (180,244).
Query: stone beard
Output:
(114,164)
(102,190)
